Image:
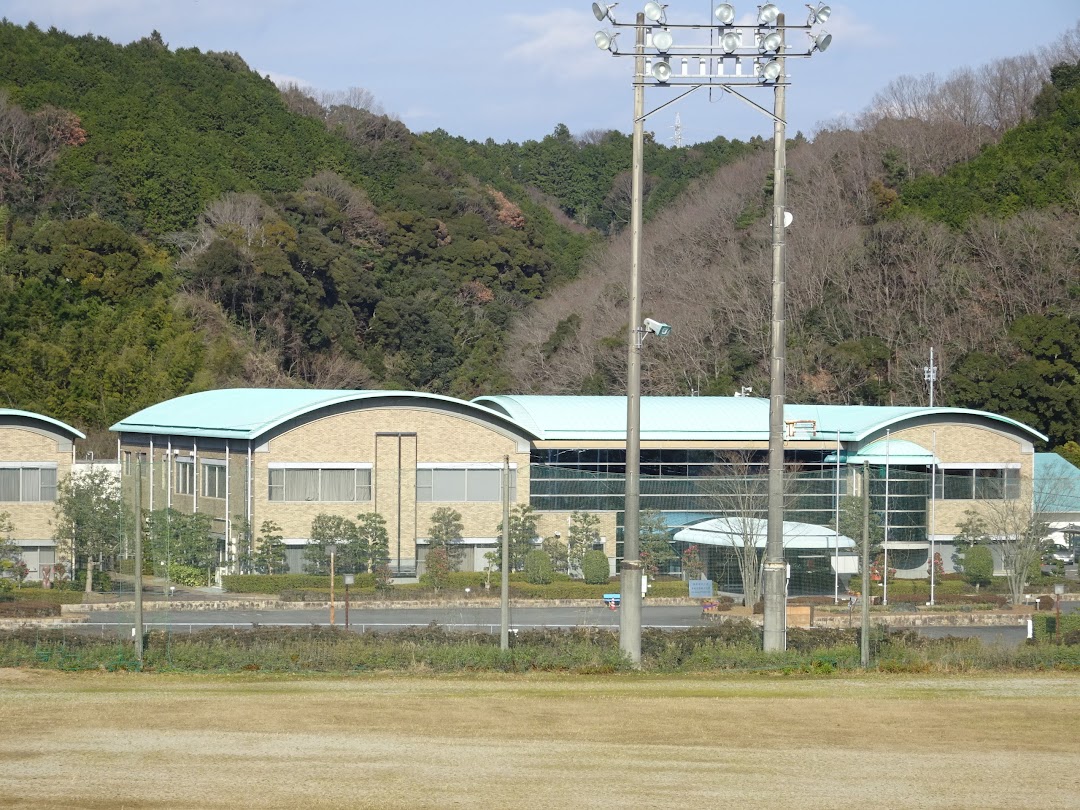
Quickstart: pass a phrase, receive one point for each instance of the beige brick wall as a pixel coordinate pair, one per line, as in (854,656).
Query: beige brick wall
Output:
(354,437)
(33,520)
(971,444)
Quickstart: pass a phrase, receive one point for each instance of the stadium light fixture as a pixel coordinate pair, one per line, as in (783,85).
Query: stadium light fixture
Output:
(765,42)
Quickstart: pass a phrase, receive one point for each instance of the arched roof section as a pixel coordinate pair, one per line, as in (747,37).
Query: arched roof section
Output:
(38,422)
(574,418)
(254,414)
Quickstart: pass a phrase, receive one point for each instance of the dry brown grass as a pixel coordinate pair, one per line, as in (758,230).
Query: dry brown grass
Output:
(97,740)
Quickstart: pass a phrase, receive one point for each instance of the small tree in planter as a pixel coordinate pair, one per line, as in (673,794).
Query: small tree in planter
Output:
(692,565)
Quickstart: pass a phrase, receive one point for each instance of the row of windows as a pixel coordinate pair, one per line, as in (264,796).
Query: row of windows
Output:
(27,484)
(462,485)
(346,485)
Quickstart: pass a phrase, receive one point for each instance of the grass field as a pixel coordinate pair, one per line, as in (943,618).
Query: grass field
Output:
(124,740)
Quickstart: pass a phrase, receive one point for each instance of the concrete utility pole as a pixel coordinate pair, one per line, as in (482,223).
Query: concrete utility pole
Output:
(775,570)
(865,633)
(504,600)
(137,630)
(630,573)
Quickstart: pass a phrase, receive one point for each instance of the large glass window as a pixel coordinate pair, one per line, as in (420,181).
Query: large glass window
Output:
(213,479)
(327,484)
(988,484)
(184,476)
(28,483)
(462,484)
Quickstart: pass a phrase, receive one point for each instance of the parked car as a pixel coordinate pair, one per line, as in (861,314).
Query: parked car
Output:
(1062,555)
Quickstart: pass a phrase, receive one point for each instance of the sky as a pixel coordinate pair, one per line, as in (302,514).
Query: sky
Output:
(512,70)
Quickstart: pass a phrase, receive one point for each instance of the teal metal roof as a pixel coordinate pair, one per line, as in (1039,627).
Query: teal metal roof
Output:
(46,420)
(573,418)
(1057,484)
(248,413)
(889,451)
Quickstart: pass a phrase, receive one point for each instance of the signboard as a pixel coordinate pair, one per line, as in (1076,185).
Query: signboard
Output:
(701,589)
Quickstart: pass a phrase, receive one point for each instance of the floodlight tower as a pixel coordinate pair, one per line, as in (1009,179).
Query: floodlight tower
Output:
(736,56)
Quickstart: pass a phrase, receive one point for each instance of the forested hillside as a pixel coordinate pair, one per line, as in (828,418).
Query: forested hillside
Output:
(172,221)
(948,216)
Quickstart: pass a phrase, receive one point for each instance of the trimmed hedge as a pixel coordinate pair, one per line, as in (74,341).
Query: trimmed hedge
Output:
(1045,627)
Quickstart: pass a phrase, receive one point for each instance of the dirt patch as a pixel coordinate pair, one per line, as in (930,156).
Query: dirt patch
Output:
(93,740)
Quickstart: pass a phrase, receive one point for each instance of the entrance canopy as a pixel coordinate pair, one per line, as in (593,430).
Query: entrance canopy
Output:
(889,451)
(731,531)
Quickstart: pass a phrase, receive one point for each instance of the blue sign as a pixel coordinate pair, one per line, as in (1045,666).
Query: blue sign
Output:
(701,589)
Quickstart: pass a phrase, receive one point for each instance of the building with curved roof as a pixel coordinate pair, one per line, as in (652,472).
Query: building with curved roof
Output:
(286,456)
(36,452)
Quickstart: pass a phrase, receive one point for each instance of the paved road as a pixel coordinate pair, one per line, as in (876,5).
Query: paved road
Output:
(479,619)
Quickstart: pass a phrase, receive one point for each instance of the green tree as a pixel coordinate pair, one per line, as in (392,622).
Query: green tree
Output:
(978,566)
(582,536)
(655,543)
(243,545)
(523,522)
(372,535)
(270,553)
(595,567)
(350,552)
(179,539)
(10,553)
(445,532)
(556,550)
(436,568)
(89,520)
(538,568)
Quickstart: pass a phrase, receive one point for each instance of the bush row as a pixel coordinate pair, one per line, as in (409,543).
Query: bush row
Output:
(732,645)
(1045,627)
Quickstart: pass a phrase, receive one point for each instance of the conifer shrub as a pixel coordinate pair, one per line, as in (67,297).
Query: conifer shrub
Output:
(595,568)
(538,568)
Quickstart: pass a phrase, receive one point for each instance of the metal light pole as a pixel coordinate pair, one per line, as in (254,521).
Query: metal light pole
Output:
(331,548)
(349,579)
(930,375)
(137,630)
(718,64)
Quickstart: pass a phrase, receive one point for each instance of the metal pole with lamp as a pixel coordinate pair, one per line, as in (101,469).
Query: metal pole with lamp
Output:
(331,548)
(718,64)
(349,579)
(1059,591)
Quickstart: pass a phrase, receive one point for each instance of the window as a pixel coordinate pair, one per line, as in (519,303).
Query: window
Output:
(461,484)
(184,477)
(335,484)
(213,479)
(30,483)
(979,483)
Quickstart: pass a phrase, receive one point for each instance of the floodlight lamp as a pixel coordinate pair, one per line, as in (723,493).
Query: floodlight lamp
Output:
(602,11)
(770,71)
(767,14)
(606,41)
(724,13)
(818,14)
(662,40)
(771,42)
(821,42)
(661,71)
(657,328)
(655,12)
(729,42)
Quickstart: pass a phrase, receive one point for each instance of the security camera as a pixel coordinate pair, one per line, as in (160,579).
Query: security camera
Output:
(657,328)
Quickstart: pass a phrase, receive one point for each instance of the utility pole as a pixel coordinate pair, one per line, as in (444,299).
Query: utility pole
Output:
(504,600)
(137,630)
(865,633)
(930,375)
(775,574)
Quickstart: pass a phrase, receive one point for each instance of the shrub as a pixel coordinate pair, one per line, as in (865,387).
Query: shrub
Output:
(595,568)
(538,568)
(187,575)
